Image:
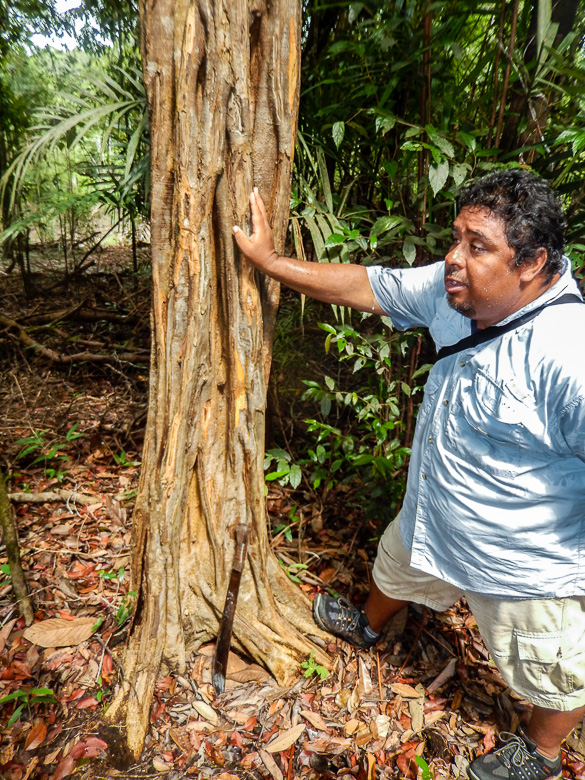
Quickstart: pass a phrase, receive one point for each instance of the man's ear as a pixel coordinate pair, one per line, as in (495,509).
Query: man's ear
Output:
(529,271)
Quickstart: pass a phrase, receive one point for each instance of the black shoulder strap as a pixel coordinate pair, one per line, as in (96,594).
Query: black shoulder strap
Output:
(487,334)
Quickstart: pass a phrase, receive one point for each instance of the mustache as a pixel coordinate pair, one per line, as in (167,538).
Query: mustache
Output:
(452,272)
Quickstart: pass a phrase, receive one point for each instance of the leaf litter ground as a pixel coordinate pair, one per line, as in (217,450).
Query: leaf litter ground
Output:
(423,704)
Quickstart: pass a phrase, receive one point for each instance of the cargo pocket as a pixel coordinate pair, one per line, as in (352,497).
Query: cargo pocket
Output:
(550,664)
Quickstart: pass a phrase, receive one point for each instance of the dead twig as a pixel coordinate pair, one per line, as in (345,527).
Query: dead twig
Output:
(59,494)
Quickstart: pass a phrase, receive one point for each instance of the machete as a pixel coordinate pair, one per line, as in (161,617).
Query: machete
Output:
(224,636)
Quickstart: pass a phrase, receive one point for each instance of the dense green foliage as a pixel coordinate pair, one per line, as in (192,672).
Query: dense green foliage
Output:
(402,102)
(74,133)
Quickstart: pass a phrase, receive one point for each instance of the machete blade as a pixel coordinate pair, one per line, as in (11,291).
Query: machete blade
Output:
(224,636)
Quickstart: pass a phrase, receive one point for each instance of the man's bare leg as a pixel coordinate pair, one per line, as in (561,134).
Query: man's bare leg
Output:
(548,728)
(379,608)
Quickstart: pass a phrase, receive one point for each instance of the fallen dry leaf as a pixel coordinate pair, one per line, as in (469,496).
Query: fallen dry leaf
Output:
(5,633)
(206,712)
(404,690)
(271,765)
(58,632)
(64,768)
(36,736)
(160,765)
(31,767)
(286,739)
(251,673)
(315,719)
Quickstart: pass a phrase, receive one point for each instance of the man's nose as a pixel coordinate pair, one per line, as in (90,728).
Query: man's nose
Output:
(455,256)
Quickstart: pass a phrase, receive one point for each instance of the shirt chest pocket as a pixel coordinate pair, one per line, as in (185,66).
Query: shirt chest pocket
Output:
(492,429)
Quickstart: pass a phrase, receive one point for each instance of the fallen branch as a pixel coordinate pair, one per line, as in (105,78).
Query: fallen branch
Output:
(10,534)
(59,494)
(78,314)
(66,360)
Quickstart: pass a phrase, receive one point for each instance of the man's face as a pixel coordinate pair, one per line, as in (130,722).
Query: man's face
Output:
(481,280)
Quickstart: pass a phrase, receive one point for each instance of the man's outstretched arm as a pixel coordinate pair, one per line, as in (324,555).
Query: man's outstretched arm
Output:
(344,284)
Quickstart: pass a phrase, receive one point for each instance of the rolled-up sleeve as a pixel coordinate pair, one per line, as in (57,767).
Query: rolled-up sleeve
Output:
(410,296)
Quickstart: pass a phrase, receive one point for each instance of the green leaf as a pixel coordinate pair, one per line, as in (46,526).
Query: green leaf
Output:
(295,476)
(459,174)
(438,175)
(384,124)
(426,772)
(384,224)
(14,695)
(409,250)
(15,716)
(338,131)
(276,475)
(334,239)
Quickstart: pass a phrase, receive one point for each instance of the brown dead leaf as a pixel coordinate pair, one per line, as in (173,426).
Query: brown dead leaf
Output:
(64,768)
(404,690)
(36,736)
(351,726)
(315,719)
(206,712)
(32,764)
(58,632)
(365,678)
(417,713)
(5,633)
(251,673)
(271,765)
(371,766)
(160,765)
(286,739)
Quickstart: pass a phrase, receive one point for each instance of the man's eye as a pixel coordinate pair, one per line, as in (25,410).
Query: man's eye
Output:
(477,247)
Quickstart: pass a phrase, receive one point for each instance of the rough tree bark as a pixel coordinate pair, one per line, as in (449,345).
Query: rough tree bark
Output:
(222,80)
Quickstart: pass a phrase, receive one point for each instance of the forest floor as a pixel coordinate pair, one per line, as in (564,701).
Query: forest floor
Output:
(422,704)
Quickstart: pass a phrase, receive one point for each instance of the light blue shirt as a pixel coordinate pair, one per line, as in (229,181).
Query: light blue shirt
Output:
(495,499)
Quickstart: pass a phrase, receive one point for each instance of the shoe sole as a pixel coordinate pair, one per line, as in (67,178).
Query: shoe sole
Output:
(472,776)
(316,617)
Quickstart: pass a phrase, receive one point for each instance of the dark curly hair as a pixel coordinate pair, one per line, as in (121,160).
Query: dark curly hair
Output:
(532,215)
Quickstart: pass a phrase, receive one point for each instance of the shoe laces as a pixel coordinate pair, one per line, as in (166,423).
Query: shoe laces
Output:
(514,751)
(348,613)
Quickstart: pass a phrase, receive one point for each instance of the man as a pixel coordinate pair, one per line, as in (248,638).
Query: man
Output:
(495,501)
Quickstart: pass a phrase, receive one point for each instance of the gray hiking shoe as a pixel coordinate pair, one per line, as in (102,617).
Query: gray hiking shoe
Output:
(342,619)
(516,759)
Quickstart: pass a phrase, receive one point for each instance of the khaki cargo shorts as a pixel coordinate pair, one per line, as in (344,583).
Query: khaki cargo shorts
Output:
(538,645)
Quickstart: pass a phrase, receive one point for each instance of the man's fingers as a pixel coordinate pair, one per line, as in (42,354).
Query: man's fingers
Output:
(257,219)
(242,239)
(260,203)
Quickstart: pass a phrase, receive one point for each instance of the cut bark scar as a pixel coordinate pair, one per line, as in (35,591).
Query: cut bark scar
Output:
(240,390)
(293,64)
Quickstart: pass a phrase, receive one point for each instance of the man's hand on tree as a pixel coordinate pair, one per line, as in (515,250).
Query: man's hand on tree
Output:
(259,247)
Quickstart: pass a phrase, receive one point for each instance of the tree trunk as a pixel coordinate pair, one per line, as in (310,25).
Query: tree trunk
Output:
(222,81)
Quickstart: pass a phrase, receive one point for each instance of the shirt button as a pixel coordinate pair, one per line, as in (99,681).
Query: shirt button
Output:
(424,476)
(446,403)
(431,440)
(463,363)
